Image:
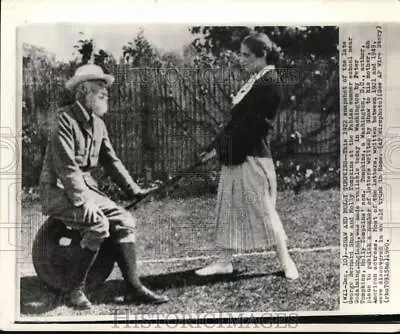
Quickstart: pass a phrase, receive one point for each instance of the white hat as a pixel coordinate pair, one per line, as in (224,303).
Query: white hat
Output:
(88,72)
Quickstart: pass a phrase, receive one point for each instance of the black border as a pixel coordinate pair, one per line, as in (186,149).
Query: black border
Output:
(353,319)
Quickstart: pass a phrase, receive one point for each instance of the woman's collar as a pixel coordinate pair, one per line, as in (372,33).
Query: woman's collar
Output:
(264,70)
(248,85)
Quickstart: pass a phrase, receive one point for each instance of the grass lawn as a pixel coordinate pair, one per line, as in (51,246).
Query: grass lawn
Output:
(182,228)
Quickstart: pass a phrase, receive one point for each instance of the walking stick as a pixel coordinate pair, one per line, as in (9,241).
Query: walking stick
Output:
(165,185)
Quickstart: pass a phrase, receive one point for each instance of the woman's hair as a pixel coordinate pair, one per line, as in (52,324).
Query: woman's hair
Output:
(260,44)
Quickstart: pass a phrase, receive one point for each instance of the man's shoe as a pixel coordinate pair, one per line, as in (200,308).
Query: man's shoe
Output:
(79,300)
(143,295)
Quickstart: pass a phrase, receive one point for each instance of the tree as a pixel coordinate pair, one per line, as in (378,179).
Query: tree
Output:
(139,52)
(171,59)
(219,38)
(317,40)
(85,48)
(101,58)
(36,56)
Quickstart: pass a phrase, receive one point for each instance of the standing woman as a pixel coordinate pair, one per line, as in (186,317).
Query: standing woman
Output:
(246,214)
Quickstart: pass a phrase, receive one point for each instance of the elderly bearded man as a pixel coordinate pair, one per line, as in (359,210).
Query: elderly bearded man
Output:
(78,143)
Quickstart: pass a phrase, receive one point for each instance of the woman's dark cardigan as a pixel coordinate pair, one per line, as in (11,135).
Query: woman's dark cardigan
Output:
(248,131)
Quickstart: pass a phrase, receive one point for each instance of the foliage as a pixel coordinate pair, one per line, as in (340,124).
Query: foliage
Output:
(300,174)
(85,48)
(216,39)
(319,40)
(171,59)
(102,58)
(201,57)
(140,53)
(36,56)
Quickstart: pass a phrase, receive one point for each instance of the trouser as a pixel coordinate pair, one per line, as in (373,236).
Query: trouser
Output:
(118,223)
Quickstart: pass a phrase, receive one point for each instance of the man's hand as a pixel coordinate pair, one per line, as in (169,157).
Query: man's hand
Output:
(92,213)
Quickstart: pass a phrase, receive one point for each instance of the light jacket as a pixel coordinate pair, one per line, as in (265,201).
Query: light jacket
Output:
(77,144)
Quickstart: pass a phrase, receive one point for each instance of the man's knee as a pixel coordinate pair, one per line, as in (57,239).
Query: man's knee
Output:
(92,244)
(123,228)
(95,234)
(102,225)
(128,219)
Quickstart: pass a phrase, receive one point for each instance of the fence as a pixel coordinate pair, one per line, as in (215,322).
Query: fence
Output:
(159,118)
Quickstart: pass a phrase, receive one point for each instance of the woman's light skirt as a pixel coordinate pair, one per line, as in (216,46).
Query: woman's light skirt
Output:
(246,216)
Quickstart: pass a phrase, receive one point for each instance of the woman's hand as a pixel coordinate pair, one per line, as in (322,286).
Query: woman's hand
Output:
(140,193)
(144,192)
(205,156)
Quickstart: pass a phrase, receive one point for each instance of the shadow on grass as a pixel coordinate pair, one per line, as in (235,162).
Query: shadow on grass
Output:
(188,278)
(37,298)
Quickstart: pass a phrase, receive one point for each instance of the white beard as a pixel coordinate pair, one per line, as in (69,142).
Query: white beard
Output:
(100,107)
